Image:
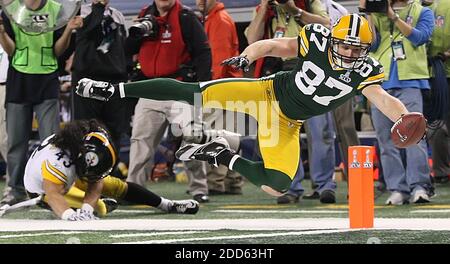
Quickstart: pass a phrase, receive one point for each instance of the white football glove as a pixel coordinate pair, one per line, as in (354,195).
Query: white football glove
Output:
(85,213)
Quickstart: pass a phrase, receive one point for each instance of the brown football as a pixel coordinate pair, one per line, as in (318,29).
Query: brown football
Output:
(408,130)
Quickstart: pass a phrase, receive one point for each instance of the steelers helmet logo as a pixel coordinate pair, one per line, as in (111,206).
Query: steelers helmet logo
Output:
(91,159)
(100,156)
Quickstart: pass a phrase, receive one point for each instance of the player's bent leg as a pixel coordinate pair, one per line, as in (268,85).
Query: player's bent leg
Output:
(133,193)
(156,89)
(273,182)
(137,194)
(218,152)
(114,187)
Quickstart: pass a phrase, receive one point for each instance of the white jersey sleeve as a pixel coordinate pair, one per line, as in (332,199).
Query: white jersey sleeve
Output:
(50,163)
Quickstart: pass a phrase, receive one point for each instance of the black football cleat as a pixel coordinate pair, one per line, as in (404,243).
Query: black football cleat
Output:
(111,204)
(184,207)
(88,88)
(205,152)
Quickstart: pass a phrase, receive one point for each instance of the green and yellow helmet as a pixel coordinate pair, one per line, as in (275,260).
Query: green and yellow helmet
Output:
(351,30)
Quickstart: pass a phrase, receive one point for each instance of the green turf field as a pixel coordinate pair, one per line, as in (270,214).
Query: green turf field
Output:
(253,217)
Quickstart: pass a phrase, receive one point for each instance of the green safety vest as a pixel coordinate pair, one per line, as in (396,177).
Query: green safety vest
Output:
(34,51)
(415,65)
(441,34)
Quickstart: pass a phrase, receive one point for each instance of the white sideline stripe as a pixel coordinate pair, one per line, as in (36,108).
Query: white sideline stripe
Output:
(291,224)
(44,234)
(156,234)
(134,211)
(131,211)
(115,211)
(430,211)
(216,238)
(283,211)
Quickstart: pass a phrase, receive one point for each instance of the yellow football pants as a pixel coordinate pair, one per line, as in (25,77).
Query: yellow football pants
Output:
(278,135)
(112,187)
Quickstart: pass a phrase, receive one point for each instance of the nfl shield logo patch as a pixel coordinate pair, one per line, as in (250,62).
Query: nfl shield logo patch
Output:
(409,20)
(440,21)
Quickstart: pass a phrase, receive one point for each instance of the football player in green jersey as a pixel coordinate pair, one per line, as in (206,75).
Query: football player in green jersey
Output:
(333,65)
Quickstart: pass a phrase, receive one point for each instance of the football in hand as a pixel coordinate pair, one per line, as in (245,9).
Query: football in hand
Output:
(408,130)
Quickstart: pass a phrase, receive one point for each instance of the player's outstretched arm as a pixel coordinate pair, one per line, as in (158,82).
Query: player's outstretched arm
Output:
(280,47)
(387,104)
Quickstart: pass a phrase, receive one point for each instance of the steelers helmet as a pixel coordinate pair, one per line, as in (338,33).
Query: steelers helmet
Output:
(351,30)
(99,157)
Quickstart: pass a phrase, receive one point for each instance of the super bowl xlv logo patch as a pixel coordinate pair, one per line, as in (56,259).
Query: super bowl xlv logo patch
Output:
(439,21)
(355,164)
(368,164)
(345,77)
(39,19)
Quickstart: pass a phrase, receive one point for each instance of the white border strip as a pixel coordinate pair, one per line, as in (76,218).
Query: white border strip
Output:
(217,238)
(43,234)
(157,234)
(435,211)
(282,211)
(291,224)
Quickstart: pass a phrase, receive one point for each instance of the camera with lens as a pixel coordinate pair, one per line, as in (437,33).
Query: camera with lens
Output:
(146,27)
(373,6)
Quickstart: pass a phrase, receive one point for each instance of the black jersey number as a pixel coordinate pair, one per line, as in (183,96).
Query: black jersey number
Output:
(308,85)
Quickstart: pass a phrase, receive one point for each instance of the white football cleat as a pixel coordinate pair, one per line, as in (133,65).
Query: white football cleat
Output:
(184,207)
(88,88)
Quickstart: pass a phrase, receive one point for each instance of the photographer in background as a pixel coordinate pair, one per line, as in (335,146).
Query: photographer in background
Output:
(400,36)
(283,18)
(99,53)
(169,41)
(439,49)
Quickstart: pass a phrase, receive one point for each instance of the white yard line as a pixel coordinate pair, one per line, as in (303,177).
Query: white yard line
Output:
(282,211)
(218,238)
(146,211)
(435,211)
(43,234)
(156,234)
(291,224)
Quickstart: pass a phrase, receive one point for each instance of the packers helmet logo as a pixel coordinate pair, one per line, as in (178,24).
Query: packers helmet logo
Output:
(350,33)
(91,159)
(352,29)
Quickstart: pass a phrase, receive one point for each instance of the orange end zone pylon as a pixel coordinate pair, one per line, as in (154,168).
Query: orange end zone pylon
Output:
(360,185)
